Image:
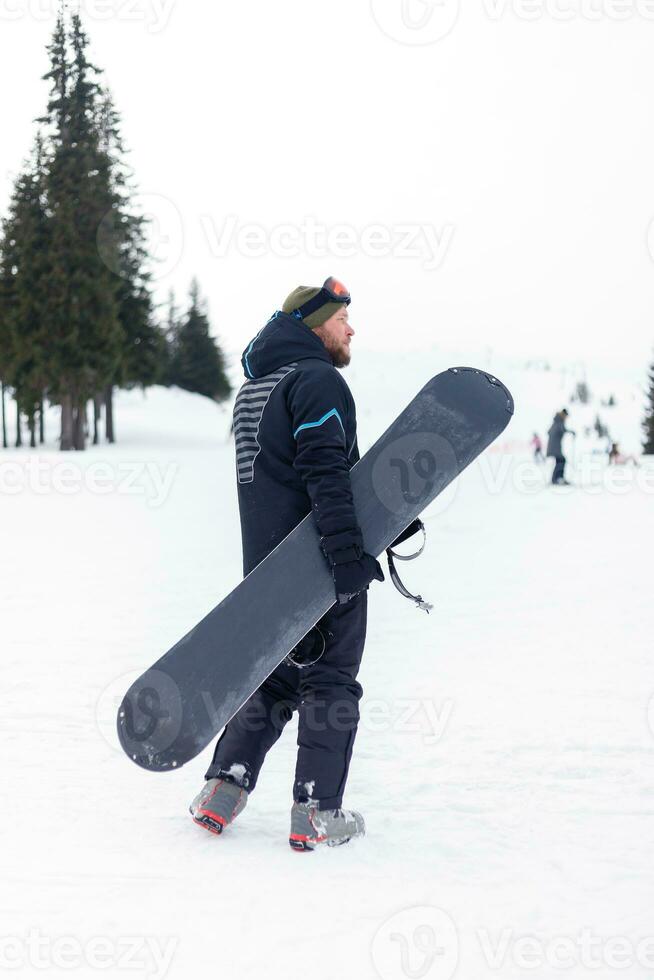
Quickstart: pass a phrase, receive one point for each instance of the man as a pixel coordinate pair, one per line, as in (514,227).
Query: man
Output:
(296,441)
(555,446)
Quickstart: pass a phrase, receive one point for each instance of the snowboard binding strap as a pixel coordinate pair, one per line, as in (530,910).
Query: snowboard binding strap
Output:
(395,578)
(309,650)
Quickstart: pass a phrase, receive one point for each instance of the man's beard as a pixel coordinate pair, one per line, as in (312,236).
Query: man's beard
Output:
(339,353)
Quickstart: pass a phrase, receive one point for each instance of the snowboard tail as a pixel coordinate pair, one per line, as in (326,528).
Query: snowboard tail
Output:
(176,707)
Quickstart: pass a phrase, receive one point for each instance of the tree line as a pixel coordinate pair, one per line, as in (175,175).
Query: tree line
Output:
(77,314)
(648,423)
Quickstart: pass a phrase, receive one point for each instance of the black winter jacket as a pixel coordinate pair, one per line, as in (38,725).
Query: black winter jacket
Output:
(555,436)
(296,439)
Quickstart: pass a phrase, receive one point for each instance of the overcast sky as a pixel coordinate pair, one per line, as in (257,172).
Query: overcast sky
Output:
(478,176)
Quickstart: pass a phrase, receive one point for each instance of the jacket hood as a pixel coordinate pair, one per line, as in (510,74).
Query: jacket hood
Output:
(282,340)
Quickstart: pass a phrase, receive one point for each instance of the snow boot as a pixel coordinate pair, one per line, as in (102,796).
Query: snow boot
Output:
(311,827)
(217,804)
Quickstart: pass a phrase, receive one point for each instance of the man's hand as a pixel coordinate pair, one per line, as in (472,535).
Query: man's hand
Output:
(354,576)
(352,569)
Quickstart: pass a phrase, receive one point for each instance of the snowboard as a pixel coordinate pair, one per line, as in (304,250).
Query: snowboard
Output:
(177,706)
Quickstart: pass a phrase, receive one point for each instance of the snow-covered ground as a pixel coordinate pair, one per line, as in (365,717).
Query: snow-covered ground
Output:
(504,760)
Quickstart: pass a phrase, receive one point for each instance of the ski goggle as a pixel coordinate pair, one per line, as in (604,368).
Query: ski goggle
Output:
(331,291)
(337,292)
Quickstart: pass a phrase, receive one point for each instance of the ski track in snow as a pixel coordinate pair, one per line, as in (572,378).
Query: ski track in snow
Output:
(503,764)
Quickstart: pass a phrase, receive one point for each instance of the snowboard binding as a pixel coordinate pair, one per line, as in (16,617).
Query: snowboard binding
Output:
(308,651)
(412,529)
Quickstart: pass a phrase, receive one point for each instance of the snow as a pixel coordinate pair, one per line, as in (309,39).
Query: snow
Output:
(504,759)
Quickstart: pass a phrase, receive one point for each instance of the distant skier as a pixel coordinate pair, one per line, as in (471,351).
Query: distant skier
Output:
(296,441)
(537,445)
(617,458)
(555,446)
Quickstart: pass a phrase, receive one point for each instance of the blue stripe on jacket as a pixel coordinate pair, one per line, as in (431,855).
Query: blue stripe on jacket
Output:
(333,413)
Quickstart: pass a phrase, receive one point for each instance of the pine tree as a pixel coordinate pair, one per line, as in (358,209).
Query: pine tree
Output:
(124,230)
(76,310)
(61,326)
(29,313)
(199,363)
(7,302)
(171,328)
(23,273)
(648,422)
(4,417)
(83,306)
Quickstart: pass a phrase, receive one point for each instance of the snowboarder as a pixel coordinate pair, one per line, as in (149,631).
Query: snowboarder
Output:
(618,458)
(555,446)
(296,441)
(537,445)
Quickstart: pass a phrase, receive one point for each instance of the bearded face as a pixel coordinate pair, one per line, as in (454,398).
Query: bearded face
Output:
(336,334)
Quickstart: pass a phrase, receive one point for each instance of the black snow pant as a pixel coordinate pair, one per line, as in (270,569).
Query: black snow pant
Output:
(559,469)
(326,696)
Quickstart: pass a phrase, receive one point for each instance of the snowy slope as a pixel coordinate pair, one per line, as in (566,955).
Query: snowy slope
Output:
(503,762)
